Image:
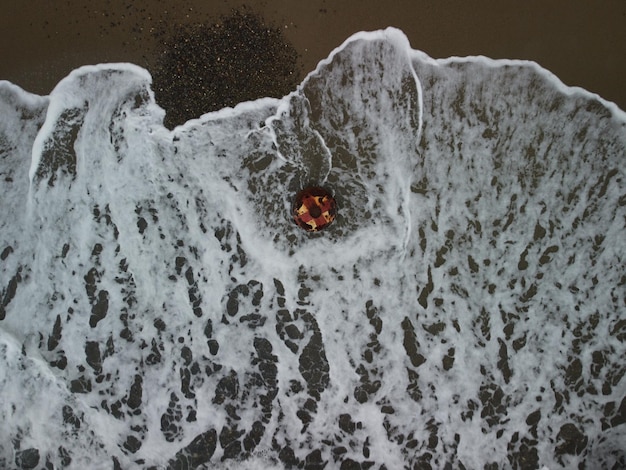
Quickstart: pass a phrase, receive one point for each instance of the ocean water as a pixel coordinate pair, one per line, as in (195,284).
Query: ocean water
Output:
(160,309)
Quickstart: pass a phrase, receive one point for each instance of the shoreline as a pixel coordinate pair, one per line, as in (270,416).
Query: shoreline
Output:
(583,45)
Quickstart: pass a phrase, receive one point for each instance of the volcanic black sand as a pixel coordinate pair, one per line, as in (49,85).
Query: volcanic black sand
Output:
(206,55)
(207,66)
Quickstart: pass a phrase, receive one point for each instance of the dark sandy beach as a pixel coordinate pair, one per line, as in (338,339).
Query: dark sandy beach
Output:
(206,54)
(583,43)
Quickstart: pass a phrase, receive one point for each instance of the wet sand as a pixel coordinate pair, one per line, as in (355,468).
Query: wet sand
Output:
(581,42)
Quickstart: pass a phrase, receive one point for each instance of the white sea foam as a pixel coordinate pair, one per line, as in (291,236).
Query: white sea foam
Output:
(160,308)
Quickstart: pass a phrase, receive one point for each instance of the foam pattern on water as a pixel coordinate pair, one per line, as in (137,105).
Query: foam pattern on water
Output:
(159,308)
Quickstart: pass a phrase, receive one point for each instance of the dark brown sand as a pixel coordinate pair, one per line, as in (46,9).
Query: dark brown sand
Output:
(582,42)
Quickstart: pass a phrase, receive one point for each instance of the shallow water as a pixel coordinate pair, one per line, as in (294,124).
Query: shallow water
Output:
(159,307)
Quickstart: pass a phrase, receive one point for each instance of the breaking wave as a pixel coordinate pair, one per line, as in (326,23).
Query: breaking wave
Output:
(159,308)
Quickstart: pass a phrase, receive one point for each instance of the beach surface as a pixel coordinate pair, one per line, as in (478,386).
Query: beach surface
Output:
(160,307)
(581,42)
